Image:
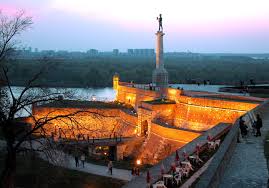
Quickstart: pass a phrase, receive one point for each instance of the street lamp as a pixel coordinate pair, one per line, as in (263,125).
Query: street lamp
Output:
(138,162)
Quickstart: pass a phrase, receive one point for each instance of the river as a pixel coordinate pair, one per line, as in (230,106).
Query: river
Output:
(108,94)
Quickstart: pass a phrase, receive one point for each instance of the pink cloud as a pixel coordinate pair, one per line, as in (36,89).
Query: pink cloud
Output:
(223,28)
(10,10)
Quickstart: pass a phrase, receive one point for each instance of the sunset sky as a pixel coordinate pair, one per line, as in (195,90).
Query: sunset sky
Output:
(189,25)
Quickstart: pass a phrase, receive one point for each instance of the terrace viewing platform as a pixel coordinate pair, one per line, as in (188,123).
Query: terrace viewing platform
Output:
(140,86)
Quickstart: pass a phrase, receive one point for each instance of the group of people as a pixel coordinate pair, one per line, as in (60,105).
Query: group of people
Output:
(256,125)
(135,171)
(82,159)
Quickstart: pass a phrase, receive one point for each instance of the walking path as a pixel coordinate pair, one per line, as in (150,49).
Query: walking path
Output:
(68,161)
(248,165)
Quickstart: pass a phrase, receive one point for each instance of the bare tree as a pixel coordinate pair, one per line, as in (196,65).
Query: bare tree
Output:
(17,136)
(13,103)
(10,28)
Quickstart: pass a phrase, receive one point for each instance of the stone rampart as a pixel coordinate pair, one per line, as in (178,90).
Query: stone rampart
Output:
(198,113)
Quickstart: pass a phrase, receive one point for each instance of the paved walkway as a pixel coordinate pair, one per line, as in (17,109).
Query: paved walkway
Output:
(248,165)
(59,158)
(68,161)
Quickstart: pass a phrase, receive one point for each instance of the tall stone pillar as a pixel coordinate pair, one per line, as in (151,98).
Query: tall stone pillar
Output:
(160,75)
(159,50)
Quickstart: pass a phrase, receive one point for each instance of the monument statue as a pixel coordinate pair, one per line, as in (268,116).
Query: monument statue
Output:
(160,22)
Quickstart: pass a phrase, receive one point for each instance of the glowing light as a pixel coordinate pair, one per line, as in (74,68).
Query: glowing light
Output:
(93,98)
(138,162)
(172,91)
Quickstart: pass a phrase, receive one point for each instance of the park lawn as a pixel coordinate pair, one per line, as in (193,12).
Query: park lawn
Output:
(33,172)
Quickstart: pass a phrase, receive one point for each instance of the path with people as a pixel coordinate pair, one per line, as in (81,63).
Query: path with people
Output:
(62,159)
(248,165)
(59,158)
(68,161)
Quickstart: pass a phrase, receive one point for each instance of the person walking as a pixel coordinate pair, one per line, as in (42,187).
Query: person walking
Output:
(243,127)
(110,165)
(82,158)
(76,160)
(133,172)
(258,125)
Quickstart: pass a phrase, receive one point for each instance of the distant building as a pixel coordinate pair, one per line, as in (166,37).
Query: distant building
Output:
(115,52)
(141,52)
(130,52)
(92,52)
(48,53)
(62,53)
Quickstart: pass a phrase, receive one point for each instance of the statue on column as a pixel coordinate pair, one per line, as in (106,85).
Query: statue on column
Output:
(160,22)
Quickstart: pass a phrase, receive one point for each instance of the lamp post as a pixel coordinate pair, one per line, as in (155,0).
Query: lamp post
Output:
(138,163)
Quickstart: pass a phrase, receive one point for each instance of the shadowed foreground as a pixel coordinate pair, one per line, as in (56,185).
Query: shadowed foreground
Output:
(33,172)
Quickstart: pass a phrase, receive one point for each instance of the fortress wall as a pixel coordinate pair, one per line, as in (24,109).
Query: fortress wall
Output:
(129,122)
(173,94)
(200,119)
(162,112)
(195,113)
(98,123)
(176,135)
(135,96)
(217,103)
(203,113)
(163,141)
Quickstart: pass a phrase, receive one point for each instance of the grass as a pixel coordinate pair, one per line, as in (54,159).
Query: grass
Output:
(33,172)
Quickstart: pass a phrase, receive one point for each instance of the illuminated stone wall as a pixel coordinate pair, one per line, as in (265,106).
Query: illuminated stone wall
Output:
(134,96)
(148,112)
(189,112)
(98,123)
(204,113)
(162,141)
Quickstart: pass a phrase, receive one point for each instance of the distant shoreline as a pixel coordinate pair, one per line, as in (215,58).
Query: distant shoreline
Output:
(62,86)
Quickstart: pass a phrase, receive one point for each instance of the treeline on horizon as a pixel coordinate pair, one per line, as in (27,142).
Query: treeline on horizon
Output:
(98,71)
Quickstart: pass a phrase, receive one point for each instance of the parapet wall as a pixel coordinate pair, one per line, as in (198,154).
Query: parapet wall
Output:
(173,134)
